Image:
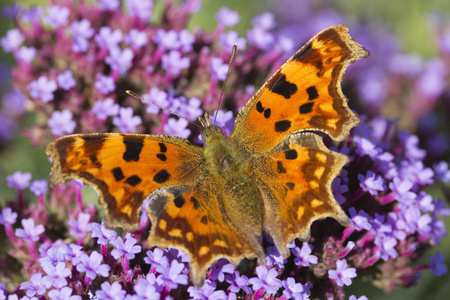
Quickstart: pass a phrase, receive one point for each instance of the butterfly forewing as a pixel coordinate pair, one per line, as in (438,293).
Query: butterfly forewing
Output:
(125,168)
(304,94)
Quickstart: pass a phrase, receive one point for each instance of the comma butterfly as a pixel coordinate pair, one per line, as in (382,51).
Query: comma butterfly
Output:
(273,173)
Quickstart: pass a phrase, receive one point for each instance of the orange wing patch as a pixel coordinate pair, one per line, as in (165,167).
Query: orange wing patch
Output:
(125,169)
(300,193)
(194,222)
(304,94)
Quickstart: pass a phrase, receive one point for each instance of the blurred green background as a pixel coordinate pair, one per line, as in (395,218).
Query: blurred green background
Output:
(406,19)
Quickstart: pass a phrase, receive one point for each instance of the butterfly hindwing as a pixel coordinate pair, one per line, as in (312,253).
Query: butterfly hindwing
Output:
(304,94)
(194,221)
(297,187)
(125,168)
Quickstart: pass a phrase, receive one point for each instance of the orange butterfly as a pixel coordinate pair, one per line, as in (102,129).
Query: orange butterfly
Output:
(272,174)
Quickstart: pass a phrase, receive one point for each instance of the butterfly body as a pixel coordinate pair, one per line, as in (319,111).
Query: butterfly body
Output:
(273,174)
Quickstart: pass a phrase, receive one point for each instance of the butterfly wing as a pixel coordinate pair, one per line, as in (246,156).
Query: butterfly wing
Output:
(125,168)
(296,187)
(193,221)
(304,94)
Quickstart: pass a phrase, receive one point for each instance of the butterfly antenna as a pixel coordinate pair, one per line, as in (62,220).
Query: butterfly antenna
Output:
(233,52)
(133,94)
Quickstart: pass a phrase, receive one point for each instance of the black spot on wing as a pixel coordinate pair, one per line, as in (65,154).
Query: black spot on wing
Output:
(161,156)
(133,180)
(133,148)
(267,113)
(179,201)
(290,185)
(279,85)
(259,107)
(195,202)
(290,154)
(280,167)
(312,93)
(282,126)
(94,160)
(306,108)
(161,177)
(162,147)
(118,174)
(204,220)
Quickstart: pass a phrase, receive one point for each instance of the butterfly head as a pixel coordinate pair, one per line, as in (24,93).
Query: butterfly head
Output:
(210,131)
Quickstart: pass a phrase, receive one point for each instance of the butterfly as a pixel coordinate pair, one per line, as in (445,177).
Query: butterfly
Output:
(272,175)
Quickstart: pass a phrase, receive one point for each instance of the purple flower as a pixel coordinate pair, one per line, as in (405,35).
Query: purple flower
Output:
(231,38)
(386,246)
(189,109)
(106,38)
(437,265)
(177,127)
(11,11)
(104,84)
(34,286)
(157,96)
(42,88)
(39,187)
(432,81)
(274,258)
(8,216)
(365,146)
(218,69)
(293,290)
(173,276)
(442,172)
(157,259)
(303,257)
(140,8)
(81,31)
(126,121)
(167,40)
(360,220)
(120,60)
(93,266)
(342,274)
(401,190)
(65,80)
(19,180)
(14,100)
(207,292)
(61,122)
(110,291)
(26,54)
(127,249)
(81,226)
(57,16)
(353,297)
(371,183)
(63,294)
(220,268)
(108,4)
(238,282)
(338,189)
(145,291)
(286,44)
(103,234)
(136,39)
(104,109)
(174,63)
(267,279)
(186,40)
(11,42)
(266,21)
(227,17)
(29,231)
(31,15)
(57,253)
(260,38)
(56,275)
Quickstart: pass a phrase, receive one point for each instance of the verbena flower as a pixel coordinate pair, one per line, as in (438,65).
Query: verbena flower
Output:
(74,63)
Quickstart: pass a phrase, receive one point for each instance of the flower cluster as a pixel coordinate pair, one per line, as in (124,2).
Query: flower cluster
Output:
(74,63)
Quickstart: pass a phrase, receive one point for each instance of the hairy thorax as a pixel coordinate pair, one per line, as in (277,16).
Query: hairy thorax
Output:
(229,167)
